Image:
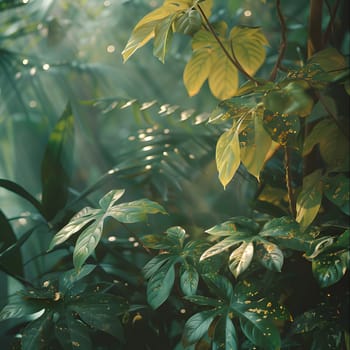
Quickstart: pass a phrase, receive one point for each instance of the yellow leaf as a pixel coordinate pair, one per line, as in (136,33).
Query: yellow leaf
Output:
(197,71)
(248,47)
(228,155)
(223,77)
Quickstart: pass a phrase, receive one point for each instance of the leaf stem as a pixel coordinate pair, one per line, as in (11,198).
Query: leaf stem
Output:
(232,58)
(283,44)
(291,199)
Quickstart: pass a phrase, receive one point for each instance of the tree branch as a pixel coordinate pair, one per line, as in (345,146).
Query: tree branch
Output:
(283,44)
(232,58)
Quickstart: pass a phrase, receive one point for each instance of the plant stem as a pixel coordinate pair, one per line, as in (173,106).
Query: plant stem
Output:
(283,44)
(331,22)
(315,42)
(291,199)
(232,58)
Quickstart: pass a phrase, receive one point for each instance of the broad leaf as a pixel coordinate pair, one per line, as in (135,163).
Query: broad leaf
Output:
(197,326)
(162,39)
(259,331)
(126,212)
(101,311)
(255,147)
(337,190)
(309,199)
(36,334)
(328,135)
(247,45)
(69,278)
(283,128)
(203,301)
(154,264)
(225,337)
(241,258)
(228,155)
(235,238)
(57,165)
(270,255)
(20,307)
(71,333)
(189,279)
(220,286)
(160,284)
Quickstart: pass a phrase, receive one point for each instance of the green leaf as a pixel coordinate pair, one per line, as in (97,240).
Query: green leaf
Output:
(20,307)
(135,211)
(328,135)
(37,333)
(203,301)
(7,240)
(292,98)
(160,284)
(255,146)
(154,264)
(189,22)
(328,269)
(189,279)
(69,278)
(197,326)
(259,331)
(225,337)
(337,190)
(228,155)
(19,190)
(162,37)
(241,258)
(235,238)
(126,212)
(220,286)
(247,45)
(283,128)
(57,165)
(72,333)
(309,199)
(176,235)
(101,311)
(270,255)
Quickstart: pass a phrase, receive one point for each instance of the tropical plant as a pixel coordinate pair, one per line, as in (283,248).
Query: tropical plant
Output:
(192,265)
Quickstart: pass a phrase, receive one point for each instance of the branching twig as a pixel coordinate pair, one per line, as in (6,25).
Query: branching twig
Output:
(283,44)
(233,59)
(291,199)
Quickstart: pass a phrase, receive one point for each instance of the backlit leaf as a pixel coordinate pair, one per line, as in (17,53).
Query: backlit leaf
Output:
(228,155)
(241,258)
(255,147)
(309,199)
(248,47)
(162,39)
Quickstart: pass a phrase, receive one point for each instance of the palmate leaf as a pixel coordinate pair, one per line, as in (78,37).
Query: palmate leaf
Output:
(161,283)
(241,258)
(36,334)
(101,311)
(89,238)
(197,326)
(71,333)
(225,337)
(309,199)
(189,279)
